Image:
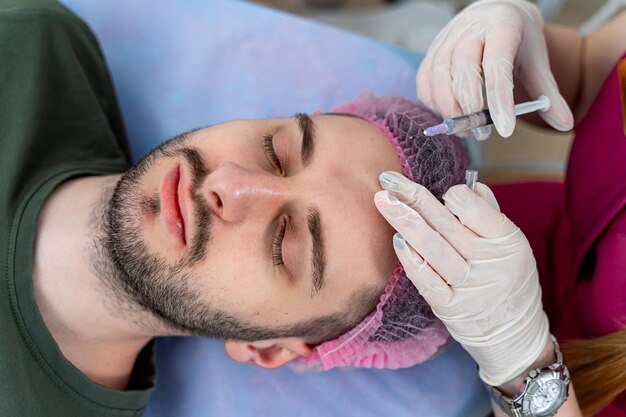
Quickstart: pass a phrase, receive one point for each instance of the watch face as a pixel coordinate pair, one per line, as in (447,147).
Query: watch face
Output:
(547,397)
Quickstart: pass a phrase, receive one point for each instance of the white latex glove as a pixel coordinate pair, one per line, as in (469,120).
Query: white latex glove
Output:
(474,267)
(491,42)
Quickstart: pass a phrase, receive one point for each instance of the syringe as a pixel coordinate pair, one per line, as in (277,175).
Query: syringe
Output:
(483,118)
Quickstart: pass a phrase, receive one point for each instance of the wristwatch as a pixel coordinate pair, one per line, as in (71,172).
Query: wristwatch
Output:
(543,392)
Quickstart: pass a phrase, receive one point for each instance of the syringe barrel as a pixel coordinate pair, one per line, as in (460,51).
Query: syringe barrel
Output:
(468,122)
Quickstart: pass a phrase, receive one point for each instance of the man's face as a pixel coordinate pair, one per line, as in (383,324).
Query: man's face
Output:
(219,222)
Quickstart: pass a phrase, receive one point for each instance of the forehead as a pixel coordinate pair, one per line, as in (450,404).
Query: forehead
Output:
(353,153)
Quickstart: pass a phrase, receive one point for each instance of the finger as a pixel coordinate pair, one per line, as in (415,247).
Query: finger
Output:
(482,133)
(467,74)
(486,193)
(424,92)
(540,81)
(467,80)
(441,90)
(430,285)
(477,214)
(436,215)
(423,84)
(501,45)
(439,254)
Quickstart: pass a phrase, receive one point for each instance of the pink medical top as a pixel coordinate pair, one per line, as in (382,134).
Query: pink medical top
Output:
(578,228)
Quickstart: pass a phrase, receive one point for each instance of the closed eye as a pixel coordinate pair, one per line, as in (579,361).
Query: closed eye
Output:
(277,243)
(279,235)
(270,152)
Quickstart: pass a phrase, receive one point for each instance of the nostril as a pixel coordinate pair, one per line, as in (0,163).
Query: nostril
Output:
(217,201)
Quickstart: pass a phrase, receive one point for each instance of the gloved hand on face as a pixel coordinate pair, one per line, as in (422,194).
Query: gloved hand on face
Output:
(474,267)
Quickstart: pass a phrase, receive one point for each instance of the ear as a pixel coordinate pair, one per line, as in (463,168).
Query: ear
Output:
(267,353)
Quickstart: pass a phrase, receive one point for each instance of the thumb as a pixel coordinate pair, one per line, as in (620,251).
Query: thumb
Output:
(542,82)
(486,193)
(537,79)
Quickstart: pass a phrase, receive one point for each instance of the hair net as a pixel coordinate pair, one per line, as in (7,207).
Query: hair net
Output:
(402,331)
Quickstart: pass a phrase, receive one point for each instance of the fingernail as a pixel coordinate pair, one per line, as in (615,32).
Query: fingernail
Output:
(398,241)
(384,197)
(482,133)
(387,181)
(565,120)
(505,125)
(456,195)
(400,186)
(389,206)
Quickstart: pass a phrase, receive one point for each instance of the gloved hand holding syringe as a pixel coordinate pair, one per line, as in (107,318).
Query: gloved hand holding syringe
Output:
(483,118)
(491,53)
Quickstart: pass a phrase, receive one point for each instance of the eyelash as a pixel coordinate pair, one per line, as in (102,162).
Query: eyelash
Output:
(279,236)
(277,243)
(270,152)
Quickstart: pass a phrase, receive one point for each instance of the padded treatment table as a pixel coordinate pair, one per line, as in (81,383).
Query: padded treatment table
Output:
(179,65)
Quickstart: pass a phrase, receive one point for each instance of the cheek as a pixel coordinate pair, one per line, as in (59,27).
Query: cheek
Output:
(233,277)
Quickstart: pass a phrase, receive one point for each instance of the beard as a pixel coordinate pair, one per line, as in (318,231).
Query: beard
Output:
(132,272)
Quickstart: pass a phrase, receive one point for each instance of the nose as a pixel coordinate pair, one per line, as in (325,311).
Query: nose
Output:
(235,193)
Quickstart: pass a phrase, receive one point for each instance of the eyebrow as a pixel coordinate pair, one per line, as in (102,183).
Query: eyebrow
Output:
(305,123)
(318,252)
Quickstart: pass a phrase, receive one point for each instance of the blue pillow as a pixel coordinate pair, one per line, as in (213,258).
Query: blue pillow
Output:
(178,65)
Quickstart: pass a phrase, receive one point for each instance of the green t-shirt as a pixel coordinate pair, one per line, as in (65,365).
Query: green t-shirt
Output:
(58,119)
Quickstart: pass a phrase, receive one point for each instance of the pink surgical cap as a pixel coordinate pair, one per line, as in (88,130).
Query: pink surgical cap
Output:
(402,331)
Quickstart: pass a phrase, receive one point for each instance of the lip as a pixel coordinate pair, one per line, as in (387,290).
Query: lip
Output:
(170,205)
(183,188)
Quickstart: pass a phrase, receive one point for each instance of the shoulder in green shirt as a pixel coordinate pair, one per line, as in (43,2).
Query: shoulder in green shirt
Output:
(58,119)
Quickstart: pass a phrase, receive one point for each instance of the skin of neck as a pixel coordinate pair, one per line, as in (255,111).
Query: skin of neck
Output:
(97,328)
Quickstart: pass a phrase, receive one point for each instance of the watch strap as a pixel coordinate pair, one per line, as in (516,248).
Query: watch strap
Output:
(511,406)
(505,403)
